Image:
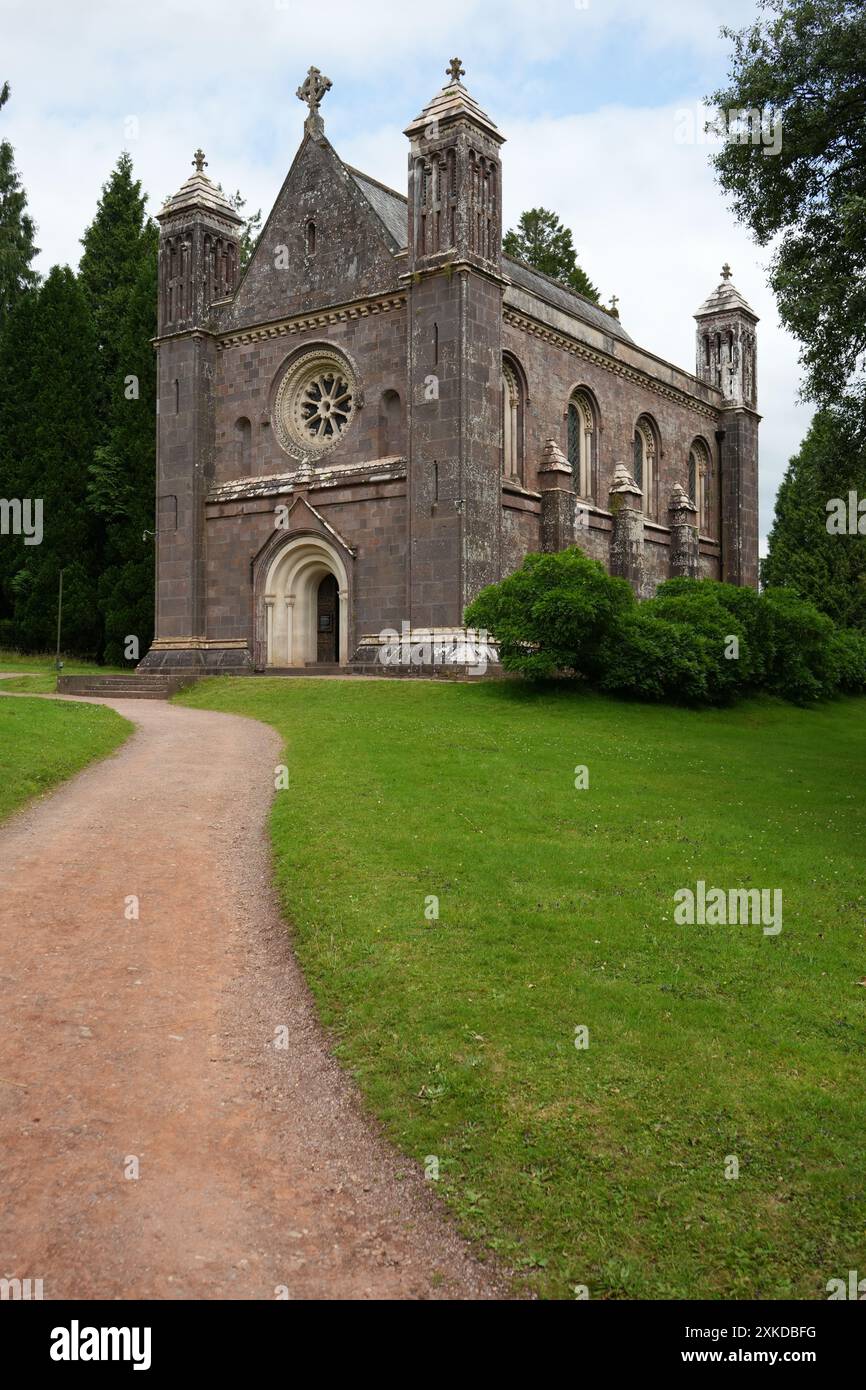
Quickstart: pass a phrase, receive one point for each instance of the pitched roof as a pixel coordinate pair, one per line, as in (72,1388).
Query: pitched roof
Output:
(392,210)
(562,297)
(724,298)
(200,192)
(449,103)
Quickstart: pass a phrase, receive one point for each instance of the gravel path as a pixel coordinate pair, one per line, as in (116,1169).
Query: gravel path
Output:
(151,1042)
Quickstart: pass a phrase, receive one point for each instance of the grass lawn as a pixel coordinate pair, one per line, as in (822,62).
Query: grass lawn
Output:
(602,1166)
(42,742)
(38,674)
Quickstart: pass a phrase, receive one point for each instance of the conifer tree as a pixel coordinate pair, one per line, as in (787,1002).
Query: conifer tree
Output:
(542,241)
(110,263)
(51,433)
(122,475)
(118,278)
(17,229)
(825,567)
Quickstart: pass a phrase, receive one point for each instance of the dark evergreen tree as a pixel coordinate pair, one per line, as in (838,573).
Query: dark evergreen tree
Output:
(249,237)
(118,276)
(121,488)
(827,568)
(110,264)
(541,240)
(17,229)
(17,384)
(47,426)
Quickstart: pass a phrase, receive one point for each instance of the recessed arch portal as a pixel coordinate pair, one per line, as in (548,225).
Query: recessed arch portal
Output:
(291,601)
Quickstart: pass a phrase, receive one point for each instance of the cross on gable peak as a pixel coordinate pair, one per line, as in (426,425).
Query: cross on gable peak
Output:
(726,272)
(313,88)
(199,161)
(455,70)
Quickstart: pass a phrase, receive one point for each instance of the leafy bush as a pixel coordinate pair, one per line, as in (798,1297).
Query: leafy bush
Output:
(803,667)
(848,652)
(552,613)
(728,667)
(749,610)
(653,659)
(563,613)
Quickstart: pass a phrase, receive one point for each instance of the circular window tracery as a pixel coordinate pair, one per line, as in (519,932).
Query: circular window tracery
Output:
(315,403)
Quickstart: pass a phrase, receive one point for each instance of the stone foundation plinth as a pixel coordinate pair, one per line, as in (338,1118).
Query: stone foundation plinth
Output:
(202,657)
(425,650)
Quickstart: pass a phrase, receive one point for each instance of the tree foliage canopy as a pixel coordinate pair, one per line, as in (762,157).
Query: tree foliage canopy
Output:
(17,229)
(803,62)
(542,241)
(827,568)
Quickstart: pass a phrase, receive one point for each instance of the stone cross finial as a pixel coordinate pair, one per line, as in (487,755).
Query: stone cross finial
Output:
(313,88)
(455,70)
(199,161)
(726,271)
(614,301)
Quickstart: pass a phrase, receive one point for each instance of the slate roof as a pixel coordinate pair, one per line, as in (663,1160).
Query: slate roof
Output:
(392,210)
(200,192)
(452,101)
(561,297)
(724,298)
(390,207)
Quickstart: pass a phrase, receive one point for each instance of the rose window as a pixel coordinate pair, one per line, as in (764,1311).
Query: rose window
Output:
(325,405)
(314,404)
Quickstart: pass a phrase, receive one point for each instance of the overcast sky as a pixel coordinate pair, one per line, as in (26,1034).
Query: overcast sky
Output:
(590,94)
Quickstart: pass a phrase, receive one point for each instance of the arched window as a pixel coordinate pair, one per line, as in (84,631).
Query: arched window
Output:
(243,447)
(512,422)
(700,486)
(311,238)
(391,440)
(645,468)
(583,443)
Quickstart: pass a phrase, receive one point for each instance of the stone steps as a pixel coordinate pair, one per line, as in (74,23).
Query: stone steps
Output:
(131,687)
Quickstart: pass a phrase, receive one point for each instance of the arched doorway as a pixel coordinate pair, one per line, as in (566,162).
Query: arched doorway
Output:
(327,620)
(305,600)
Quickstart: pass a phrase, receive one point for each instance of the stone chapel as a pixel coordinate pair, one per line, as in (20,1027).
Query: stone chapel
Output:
(384,413)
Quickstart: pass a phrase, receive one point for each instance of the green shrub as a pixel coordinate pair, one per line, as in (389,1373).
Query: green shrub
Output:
(803,666)
(747,606)
(564,613)
(788,648)
(650,658)
(551,614)
(848,653)
(728,667)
